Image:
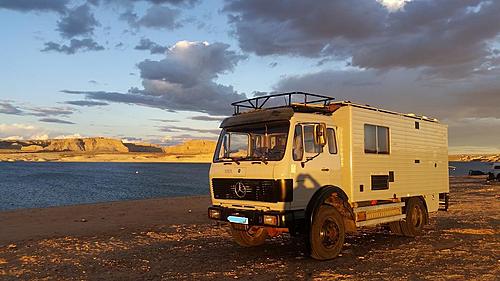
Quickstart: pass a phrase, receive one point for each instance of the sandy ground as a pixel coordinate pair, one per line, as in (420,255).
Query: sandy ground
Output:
(170,239)
(102,157)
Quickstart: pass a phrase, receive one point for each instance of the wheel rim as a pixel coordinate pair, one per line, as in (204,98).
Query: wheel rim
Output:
(329,234)
(417,217)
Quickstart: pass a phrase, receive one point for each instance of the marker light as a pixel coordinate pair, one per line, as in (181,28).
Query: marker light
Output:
(270,220)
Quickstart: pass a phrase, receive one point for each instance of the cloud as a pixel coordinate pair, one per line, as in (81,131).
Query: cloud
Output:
(78,22)
(88,103)
(76,45)
(469,106)
(154,48)
(160,17)
(50,111)
(172,129)
(55,120)
(183,80)
(19,131)
(35,5)
(166,120)
(445,38)
(207,118)
(8,108)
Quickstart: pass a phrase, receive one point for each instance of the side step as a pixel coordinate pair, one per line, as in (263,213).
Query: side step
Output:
(373,215)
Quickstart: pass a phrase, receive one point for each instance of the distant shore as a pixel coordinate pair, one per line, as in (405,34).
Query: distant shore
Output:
(102,157)
(146,157)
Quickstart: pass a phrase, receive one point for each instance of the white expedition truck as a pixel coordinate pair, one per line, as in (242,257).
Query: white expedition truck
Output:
(305,164)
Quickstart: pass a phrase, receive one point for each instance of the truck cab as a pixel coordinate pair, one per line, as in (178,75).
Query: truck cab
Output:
(287,168)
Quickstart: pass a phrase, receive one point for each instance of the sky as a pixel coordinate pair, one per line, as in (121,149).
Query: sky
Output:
(165,71)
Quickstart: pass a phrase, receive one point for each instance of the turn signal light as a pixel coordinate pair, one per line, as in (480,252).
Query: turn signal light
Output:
(270,220)
(214,214)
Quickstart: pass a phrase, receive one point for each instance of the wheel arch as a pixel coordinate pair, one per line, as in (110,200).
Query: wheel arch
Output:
(339,201)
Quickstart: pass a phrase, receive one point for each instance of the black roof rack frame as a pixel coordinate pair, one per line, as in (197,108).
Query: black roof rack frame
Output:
(259,102)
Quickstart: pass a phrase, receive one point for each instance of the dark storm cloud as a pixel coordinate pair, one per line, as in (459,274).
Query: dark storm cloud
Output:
(448,38)
(35,5)
(183,80)
(55,120)
(9,108)
(79,21)
(75,45)
(301,27)
(160,17)
(152,47)
(207,118)
(88,103)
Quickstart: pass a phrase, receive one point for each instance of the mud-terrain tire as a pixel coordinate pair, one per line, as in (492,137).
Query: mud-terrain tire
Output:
(416,218)
(395,227)
(327,233)
(250,237)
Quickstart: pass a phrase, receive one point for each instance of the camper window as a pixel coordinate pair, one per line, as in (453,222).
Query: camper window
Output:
(332,143)
(376,139)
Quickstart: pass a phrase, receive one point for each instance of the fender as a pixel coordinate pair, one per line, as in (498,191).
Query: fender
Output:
(319,197)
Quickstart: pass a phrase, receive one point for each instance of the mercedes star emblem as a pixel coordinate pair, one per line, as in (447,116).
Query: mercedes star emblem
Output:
(240,189)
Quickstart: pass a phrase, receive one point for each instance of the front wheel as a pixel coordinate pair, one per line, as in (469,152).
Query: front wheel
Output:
(327,233)
(249,237)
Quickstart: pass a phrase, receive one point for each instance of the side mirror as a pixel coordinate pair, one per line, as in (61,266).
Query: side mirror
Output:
(320,134)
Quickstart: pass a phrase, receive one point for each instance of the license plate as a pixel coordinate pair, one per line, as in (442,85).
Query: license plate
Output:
(240,220)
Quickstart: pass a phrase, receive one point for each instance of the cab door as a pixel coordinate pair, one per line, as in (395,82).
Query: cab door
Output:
(314,165)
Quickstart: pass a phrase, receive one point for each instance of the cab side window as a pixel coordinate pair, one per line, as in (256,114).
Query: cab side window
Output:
(309,143)
(332,142)
(298,149)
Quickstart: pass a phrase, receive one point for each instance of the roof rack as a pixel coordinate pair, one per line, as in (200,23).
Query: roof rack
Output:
(289,99)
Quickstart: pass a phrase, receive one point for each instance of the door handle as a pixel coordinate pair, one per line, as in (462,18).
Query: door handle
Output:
(325,170)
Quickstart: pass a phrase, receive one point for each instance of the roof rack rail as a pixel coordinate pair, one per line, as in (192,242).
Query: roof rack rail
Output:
(301,98)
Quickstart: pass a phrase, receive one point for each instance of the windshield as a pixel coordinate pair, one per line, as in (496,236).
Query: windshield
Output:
(262,141)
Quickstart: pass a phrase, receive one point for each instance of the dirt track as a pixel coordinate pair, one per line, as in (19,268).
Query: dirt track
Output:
(461,244)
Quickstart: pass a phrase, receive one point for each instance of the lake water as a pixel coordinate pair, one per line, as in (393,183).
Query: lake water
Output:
(35,185)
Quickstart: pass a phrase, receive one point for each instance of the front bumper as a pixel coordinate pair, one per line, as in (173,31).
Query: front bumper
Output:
(287,219)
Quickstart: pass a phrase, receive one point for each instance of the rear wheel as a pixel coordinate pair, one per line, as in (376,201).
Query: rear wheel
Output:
(250,236)
(327,233)
(498,177)
(416,218)
(395,227)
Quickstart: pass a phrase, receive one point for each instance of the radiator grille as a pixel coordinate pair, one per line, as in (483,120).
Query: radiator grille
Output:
(253,189)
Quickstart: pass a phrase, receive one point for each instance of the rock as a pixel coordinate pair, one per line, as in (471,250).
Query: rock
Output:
(83,220)
(32,148)
(192,147)
(86,145)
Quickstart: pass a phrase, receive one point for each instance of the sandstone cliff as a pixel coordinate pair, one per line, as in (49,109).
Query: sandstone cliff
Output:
(192,147)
